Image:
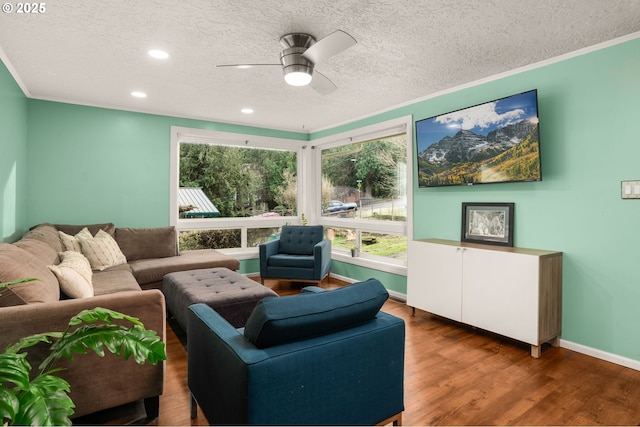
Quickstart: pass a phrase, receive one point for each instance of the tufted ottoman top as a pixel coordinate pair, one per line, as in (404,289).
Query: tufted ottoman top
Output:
(231,294)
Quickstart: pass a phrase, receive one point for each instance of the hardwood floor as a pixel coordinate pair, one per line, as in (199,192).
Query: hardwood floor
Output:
(457,375)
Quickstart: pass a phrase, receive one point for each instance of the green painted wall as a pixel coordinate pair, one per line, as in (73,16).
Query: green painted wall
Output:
(13,157)
(589,107)
(95,165)
(393,282)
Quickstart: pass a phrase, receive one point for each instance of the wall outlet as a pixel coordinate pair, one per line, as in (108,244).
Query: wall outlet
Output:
(630,189)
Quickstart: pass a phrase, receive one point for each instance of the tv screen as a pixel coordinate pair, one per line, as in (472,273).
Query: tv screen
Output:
(497,141)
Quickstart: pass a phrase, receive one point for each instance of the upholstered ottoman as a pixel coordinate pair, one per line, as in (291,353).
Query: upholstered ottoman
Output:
(232,295)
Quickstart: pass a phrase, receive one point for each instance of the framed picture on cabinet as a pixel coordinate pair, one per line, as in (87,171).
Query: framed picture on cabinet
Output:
(490,223)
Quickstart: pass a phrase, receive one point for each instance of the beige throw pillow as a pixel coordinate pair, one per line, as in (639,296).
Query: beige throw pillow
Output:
(72,243)
(74,275)
(102,251)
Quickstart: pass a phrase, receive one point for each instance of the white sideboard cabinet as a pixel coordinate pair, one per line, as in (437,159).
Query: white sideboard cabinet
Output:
(513,292)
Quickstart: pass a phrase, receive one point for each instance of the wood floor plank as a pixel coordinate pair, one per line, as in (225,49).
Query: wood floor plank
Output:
(457,375)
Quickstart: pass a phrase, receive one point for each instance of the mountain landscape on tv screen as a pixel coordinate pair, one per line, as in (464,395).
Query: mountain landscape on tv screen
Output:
(510,153)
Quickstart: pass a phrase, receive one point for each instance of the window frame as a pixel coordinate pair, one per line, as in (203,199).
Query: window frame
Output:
(379,130)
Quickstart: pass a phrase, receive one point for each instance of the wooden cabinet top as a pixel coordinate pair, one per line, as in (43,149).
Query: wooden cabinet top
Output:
(523,251)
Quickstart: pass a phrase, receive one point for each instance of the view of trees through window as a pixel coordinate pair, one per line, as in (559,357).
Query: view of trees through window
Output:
(234,182)
(366,180)
(239,181)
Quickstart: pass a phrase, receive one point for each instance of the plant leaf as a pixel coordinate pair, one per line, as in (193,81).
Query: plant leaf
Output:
(32,340)
(136,341)
(9,405)
(45,403)
(14,369)
(15,282)
(104,314)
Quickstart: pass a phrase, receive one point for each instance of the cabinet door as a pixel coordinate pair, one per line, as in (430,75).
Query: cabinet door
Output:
(500,293)
(434,279)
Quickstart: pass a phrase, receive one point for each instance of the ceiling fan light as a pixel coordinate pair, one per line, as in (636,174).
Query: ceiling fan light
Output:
(298,78)
(297,75)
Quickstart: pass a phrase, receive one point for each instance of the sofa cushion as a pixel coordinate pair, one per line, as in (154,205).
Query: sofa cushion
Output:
(291,261)
(41,250)
(46,233)
(114,280)
(102,251)
(290,318)
(108,227)
(152,270)
(141,243)
(18,264)
(300,240)
(72,243)
(74,274)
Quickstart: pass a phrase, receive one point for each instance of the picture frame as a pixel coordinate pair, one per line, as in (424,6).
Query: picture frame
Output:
(490,223)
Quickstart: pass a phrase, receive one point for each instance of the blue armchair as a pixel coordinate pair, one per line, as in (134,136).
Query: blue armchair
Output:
(316,358)
(302,254)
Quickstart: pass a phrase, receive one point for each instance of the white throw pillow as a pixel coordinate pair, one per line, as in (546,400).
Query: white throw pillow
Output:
(74,275)
(72,243)
(102,251)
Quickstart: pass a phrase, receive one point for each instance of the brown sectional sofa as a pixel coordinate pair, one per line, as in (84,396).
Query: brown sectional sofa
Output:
(131,288)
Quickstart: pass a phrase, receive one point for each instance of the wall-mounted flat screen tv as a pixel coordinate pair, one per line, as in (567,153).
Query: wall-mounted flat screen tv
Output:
(497,141)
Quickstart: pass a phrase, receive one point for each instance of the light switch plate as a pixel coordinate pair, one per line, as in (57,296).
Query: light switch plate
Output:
(630,189)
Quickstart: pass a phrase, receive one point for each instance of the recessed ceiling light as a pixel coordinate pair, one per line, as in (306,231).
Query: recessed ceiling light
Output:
(247,110)
(158,54)
(138,94)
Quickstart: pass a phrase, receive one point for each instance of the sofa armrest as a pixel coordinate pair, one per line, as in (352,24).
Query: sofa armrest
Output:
(96,383)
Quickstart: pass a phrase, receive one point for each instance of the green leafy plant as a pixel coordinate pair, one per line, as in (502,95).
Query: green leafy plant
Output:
(44,398)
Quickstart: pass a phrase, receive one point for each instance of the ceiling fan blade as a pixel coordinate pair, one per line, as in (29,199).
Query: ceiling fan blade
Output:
(328,46)
(321,84)
(246,65)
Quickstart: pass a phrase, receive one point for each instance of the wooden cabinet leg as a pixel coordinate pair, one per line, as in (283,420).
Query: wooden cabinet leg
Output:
(535,351)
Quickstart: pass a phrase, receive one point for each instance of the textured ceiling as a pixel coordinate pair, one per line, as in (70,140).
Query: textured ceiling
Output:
(93,52)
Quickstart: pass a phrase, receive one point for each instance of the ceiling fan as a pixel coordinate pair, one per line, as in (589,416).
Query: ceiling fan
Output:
(301,52)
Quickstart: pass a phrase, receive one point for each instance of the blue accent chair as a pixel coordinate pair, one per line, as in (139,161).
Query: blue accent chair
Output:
(301,254)
(322,357)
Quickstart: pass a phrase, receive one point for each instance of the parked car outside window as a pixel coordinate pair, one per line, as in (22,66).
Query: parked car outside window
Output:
(336,207)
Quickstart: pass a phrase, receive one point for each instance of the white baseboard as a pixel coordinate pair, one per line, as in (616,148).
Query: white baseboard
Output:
(599,354)
(393,294)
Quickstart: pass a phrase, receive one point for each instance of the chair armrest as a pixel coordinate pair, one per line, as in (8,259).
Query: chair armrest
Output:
(266,250)
(322,258)
(218,354)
